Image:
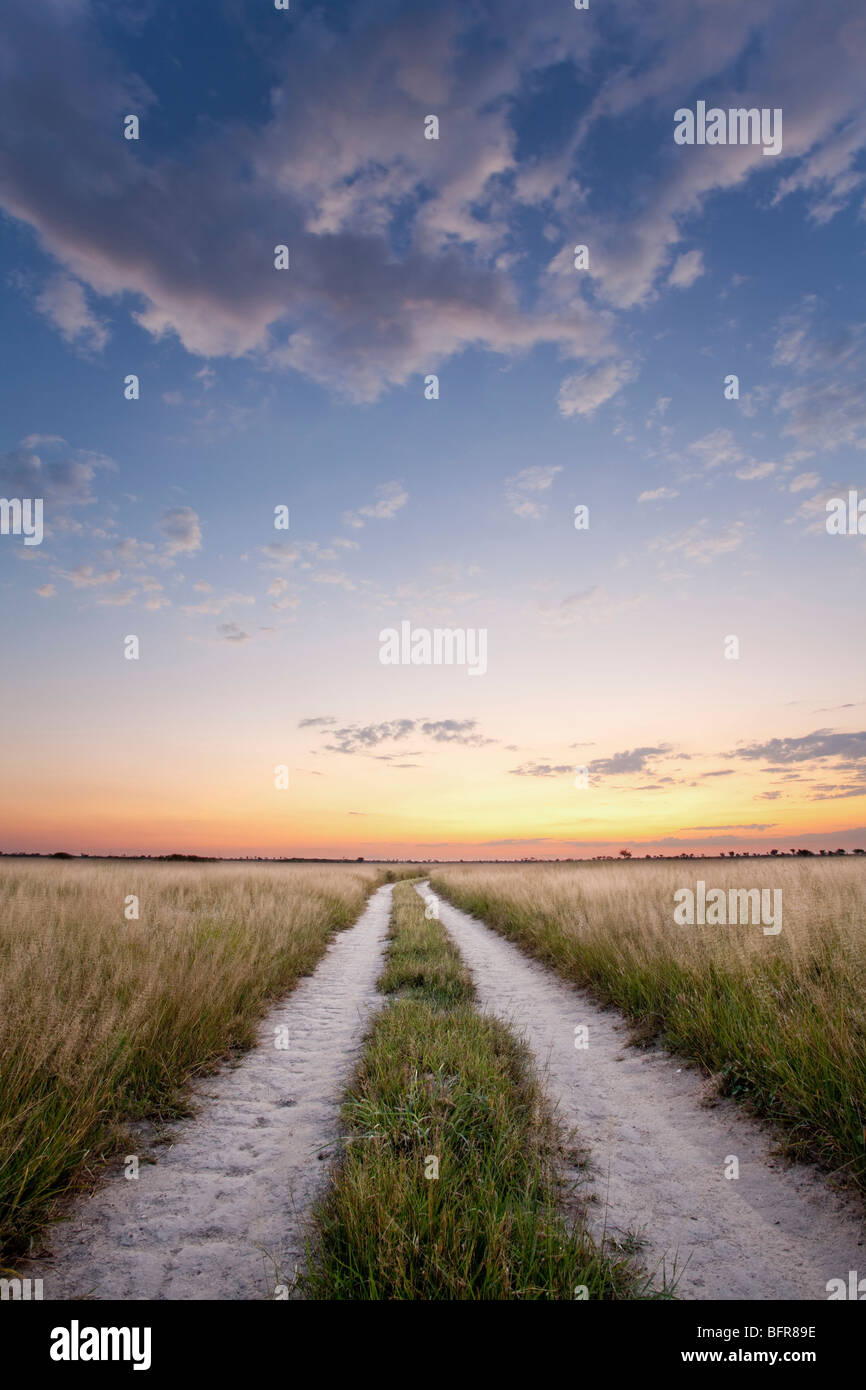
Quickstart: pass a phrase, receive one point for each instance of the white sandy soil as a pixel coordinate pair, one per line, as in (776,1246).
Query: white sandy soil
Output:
(221,1213)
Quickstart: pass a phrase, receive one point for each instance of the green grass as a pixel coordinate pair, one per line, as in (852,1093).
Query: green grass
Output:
(440,1080)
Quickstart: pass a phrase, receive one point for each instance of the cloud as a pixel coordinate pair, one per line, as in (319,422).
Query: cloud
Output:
(153,605)
(659,494)
(828,414)
(813,510)
(33,441)
(716,450)
(336,578)
(359,738)
(317,721)
(402,250)
(752,471)
(740,52)
(804,345)
(278,591)
(62,482)
(828,410)
(629,760)
(822,743)
(362,738)
(803,481)
(280,555)
(540,769)
(719,450)
(118,600)
(63,302)
(350,313)
(391,498)
(583,393)
(133,554)
(182,530)
(686,270)
(230,632)
(85,577)
(522,490)
(838,793)
(829,172)
(216,606)
(658,411)
(454,731)
(593,605)
(687,829)
(701,542)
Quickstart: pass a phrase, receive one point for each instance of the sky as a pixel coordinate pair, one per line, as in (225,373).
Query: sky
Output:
(677,668)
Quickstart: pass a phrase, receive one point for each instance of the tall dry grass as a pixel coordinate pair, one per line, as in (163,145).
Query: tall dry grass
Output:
(103,1020)
(780,1020)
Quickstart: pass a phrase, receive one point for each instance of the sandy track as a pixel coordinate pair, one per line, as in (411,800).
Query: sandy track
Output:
(658,1155)
(221,1214)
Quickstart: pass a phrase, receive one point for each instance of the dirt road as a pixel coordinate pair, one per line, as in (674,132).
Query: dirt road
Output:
(658,1154)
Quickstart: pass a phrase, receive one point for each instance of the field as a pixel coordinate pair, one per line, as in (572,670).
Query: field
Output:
(120,983)
(779,1019)
(103,1019)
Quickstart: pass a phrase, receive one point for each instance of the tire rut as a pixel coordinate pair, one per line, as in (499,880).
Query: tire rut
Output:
(220,1214)
(658,1153)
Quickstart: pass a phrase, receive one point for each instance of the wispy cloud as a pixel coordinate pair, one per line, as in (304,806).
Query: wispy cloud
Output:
(390,499)
(522,492)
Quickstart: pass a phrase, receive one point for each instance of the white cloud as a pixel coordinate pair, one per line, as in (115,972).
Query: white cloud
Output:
(686,270)
(659,494)
(716,449)
(521,491)
(702,542)
(803,481)
(85,577)
(62,301)
(750,472)
(658,411)
(392,497)
(584,392)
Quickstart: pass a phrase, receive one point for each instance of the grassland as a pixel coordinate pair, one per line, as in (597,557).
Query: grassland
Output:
(438,1080)
(103,1020)
(779,1020)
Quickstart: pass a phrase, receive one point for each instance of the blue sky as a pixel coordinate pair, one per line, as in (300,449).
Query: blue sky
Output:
(305,387)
